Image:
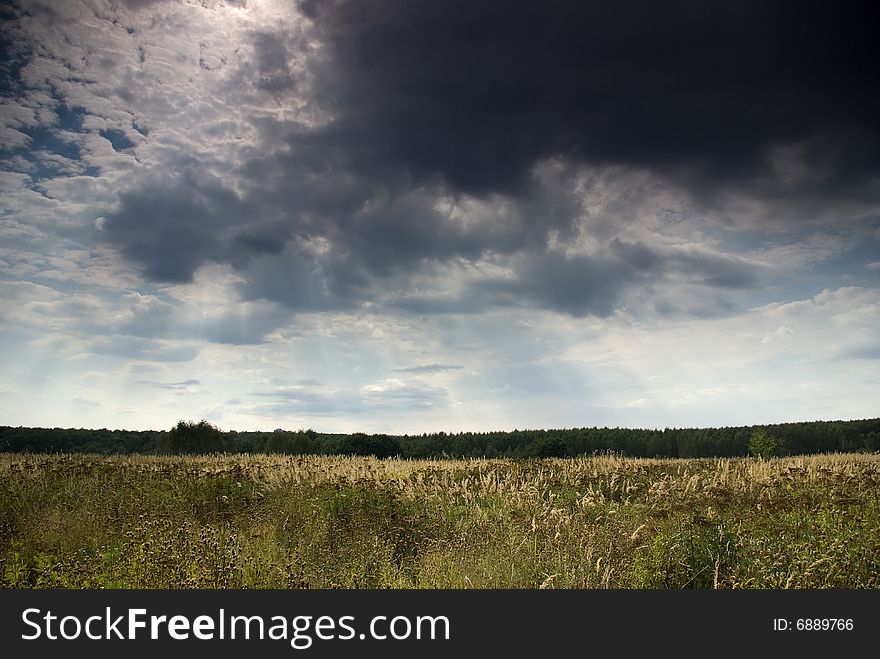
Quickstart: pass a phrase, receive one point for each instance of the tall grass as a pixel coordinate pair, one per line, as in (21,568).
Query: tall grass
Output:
(324,522)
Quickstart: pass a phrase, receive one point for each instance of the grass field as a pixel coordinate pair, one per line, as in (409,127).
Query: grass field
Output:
(329,522)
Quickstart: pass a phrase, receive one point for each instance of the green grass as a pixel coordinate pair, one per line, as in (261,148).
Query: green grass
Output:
(80,521)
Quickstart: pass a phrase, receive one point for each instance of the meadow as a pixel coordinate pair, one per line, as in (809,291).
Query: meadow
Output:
(258,521)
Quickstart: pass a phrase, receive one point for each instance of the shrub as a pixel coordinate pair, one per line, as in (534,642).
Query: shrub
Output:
(763,445)
(193,438)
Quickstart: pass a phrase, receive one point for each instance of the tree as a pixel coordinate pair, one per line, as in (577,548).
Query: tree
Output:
(192,437)
(549,447)
(301,442)
(763,445)
(380,446)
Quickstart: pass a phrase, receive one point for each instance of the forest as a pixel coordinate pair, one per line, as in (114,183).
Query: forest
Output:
(202,437)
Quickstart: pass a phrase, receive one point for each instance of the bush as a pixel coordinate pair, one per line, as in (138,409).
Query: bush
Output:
(763,445)
(192,438)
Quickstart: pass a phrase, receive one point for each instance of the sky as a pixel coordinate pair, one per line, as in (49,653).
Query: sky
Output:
(410,216)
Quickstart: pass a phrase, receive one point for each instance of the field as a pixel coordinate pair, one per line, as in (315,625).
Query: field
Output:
(79,521)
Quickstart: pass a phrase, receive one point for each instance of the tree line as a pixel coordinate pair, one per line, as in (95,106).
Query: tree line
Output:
(190,437)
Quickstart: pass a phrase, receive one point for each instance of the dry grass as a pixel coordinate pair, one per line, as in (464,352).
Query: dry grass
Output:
(593,522)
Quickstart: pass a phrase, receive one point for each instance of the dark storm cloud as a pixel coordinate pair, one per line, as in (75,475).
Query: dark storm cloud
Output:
(586,285)
(477,92)
(579,286)
(171,227)
(300,281)
(246,326)
(476,95)
(426,104)
(173,224)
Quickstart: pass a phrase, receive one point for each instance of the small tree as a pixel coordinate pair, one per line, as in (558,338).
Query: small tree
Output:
(763,445)
(192,437)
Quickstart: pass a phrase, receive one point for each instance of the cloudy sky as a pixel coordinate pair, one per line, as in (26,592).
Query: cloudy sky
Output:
(413,216)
